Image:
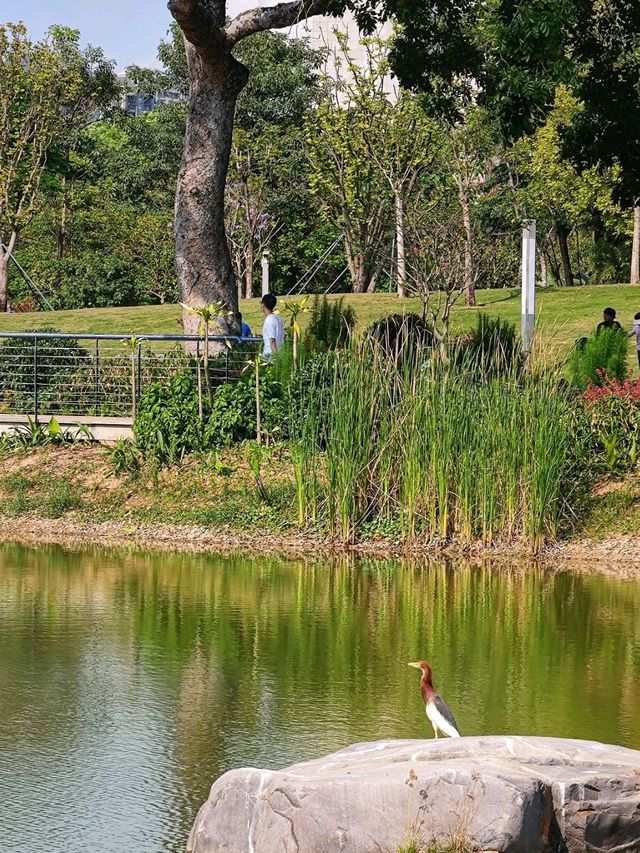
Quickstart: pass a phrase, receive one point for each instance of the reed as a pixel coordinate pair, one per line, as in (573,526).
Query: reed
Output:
(440,449)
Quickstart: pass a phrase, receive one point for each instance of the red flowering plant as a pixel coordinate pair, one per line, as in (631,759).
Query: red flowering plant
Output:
(613,411)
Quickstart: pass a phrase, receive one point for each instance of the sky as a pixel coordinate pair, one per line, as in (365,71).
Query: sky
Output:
(127,30)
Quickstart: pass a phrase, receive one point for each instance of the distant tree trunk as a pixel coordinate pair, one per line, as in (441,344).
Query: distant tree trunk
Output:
(543,268)
(469,266)
(203,260)
(635,250)
(359,274)
(5,259)
(401,258)
(4,279)
(248,273)
(61,235)
(562,233)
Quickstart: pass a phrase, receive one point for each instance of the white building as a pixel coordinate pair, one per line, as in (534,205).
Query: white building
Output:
(323,33)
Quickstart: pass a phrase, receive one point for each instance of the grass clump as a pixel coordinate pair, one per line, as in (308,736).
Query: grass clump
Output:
(438,448)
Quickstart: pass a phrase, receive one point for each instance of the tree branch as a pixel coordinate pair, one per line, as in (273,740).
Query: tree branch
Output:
(273,18)
(201,21)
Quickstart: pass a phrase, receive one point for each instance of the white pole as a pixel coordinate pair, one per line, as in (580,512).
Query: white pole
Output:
(265,273)
(528,283)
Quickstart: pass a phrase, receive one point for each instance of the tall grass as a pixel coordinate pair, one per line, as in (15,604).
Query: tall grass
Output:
(440,450)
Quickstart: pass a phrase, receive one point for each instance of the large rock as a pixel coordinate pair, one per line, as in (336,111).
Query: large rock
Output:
(517,794)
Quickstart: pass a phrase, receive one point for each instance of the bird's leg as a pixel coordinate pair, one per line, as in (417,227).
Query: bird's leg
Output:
(435,731)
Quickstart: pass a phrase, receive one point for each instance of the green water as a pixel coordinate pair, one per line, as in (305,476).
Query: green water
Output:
(128,682)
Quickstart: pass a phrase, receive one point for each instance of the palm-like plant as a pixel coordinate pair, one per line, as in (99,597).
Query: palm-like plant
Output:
(293,310)
(208,315)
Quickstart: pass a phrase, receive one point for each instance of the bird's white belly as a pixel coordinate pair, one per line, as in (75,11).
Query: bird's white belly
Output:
(443,725)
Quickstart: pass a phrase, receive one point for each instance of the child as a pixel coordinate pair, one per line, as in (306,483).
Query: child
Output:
(636,332)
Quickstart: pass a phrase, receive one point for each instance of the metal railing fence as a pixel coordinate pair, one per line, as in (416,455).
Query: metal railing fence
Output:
(47,373)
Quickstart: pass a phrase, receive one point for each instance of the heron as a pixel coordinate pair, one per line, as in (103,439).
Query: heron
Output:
(440,716)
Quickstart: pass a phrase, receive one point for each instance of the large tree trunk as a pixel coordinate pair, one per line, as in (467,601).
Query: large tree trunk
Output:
(469,266)
(635,249)
(203,260)
(562,233)
(401,258)
(360,274)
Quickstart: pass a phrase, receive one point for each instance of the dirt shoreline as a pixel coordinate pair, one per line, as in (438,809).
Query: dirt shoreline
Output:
(618,555)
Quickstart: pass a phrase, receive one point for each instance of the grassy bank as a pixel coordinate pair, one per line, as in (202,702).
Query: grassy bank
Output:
(214,503)
(564,313)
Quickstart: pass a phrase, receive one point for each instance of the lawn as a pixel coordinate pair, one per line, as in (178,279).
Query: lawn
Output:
(564,314)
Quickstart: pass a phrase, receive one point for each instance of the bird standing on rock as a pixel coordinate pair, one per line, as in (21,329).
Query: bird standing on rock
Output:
(439,714)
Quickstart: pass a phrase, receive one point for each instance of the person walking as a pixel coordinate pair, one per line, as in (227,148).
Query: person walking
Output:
(635,332)
(273,327)
(609,320)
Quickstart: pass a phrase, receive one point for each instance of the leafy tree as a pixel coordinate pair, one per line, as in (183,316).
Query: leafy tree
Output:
(348,126)
(38,83)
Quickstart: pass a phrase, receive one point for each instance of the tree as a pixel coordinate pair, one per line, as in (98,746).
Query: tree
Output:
(348,126)
(216,79)
(552,190)
(513,54)
(38,83)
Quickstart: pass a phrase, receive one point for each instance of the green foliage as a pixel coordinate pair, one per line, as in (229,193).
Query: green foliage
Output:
(330,323)
(401,335)
(125,458)
(491,349)
(602,356)
(168,426)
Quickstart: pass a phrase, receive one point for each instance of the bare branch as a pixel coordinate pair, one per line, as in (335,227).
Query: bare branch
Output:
(273,18)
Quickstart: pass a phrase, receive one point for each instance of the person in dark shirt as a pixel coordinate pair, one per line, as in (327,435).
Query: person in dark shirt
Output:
(609,320)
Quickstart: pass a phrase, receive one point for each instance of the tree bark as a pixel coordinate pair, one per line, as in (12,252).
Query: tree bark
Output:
(248,272)
(469,266)
(635,249)
(216,78)
(359,274)
(4,279)
(203,260)
(401,258)
(5,260)
(544,275)
(562,233)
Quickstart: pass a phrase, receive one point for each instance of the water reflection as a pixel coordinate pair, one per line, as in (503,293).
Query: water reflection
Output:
(128,681)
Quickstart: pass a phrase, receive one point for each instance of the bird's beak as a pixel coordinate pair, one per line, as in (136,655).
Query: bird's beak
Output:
(415,664)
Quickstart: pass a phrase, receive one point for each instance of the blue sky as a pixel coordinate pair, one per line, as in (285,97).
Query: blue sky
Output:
(127,30)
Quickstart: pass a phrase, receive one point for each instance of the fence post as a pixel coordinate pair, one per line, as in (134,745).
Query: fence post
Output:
(96,389)
(35,381)
(226,364)
(139,374)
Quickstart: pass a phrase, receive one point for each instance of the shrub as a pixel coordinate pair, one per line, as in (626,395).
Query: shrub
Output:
(168,425)
(399,335)
(598,358)
(331,323)
(58,360)
(613,412)
(491,348)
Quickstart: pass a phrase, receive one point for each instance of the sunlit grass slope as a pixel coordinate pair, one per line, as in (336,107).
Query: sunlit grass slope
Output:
(564,314)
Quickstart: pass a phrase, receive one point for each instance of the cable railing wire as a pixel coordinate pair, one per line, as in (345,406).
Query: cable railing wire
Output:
(89,375)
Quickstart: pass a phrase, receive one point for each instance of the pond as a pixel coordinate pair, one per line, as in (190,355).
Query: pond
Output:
(129,681)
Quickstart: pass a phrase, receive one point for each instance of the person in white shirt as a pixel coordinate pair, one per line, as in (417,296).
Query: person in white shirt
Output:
(273,328)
